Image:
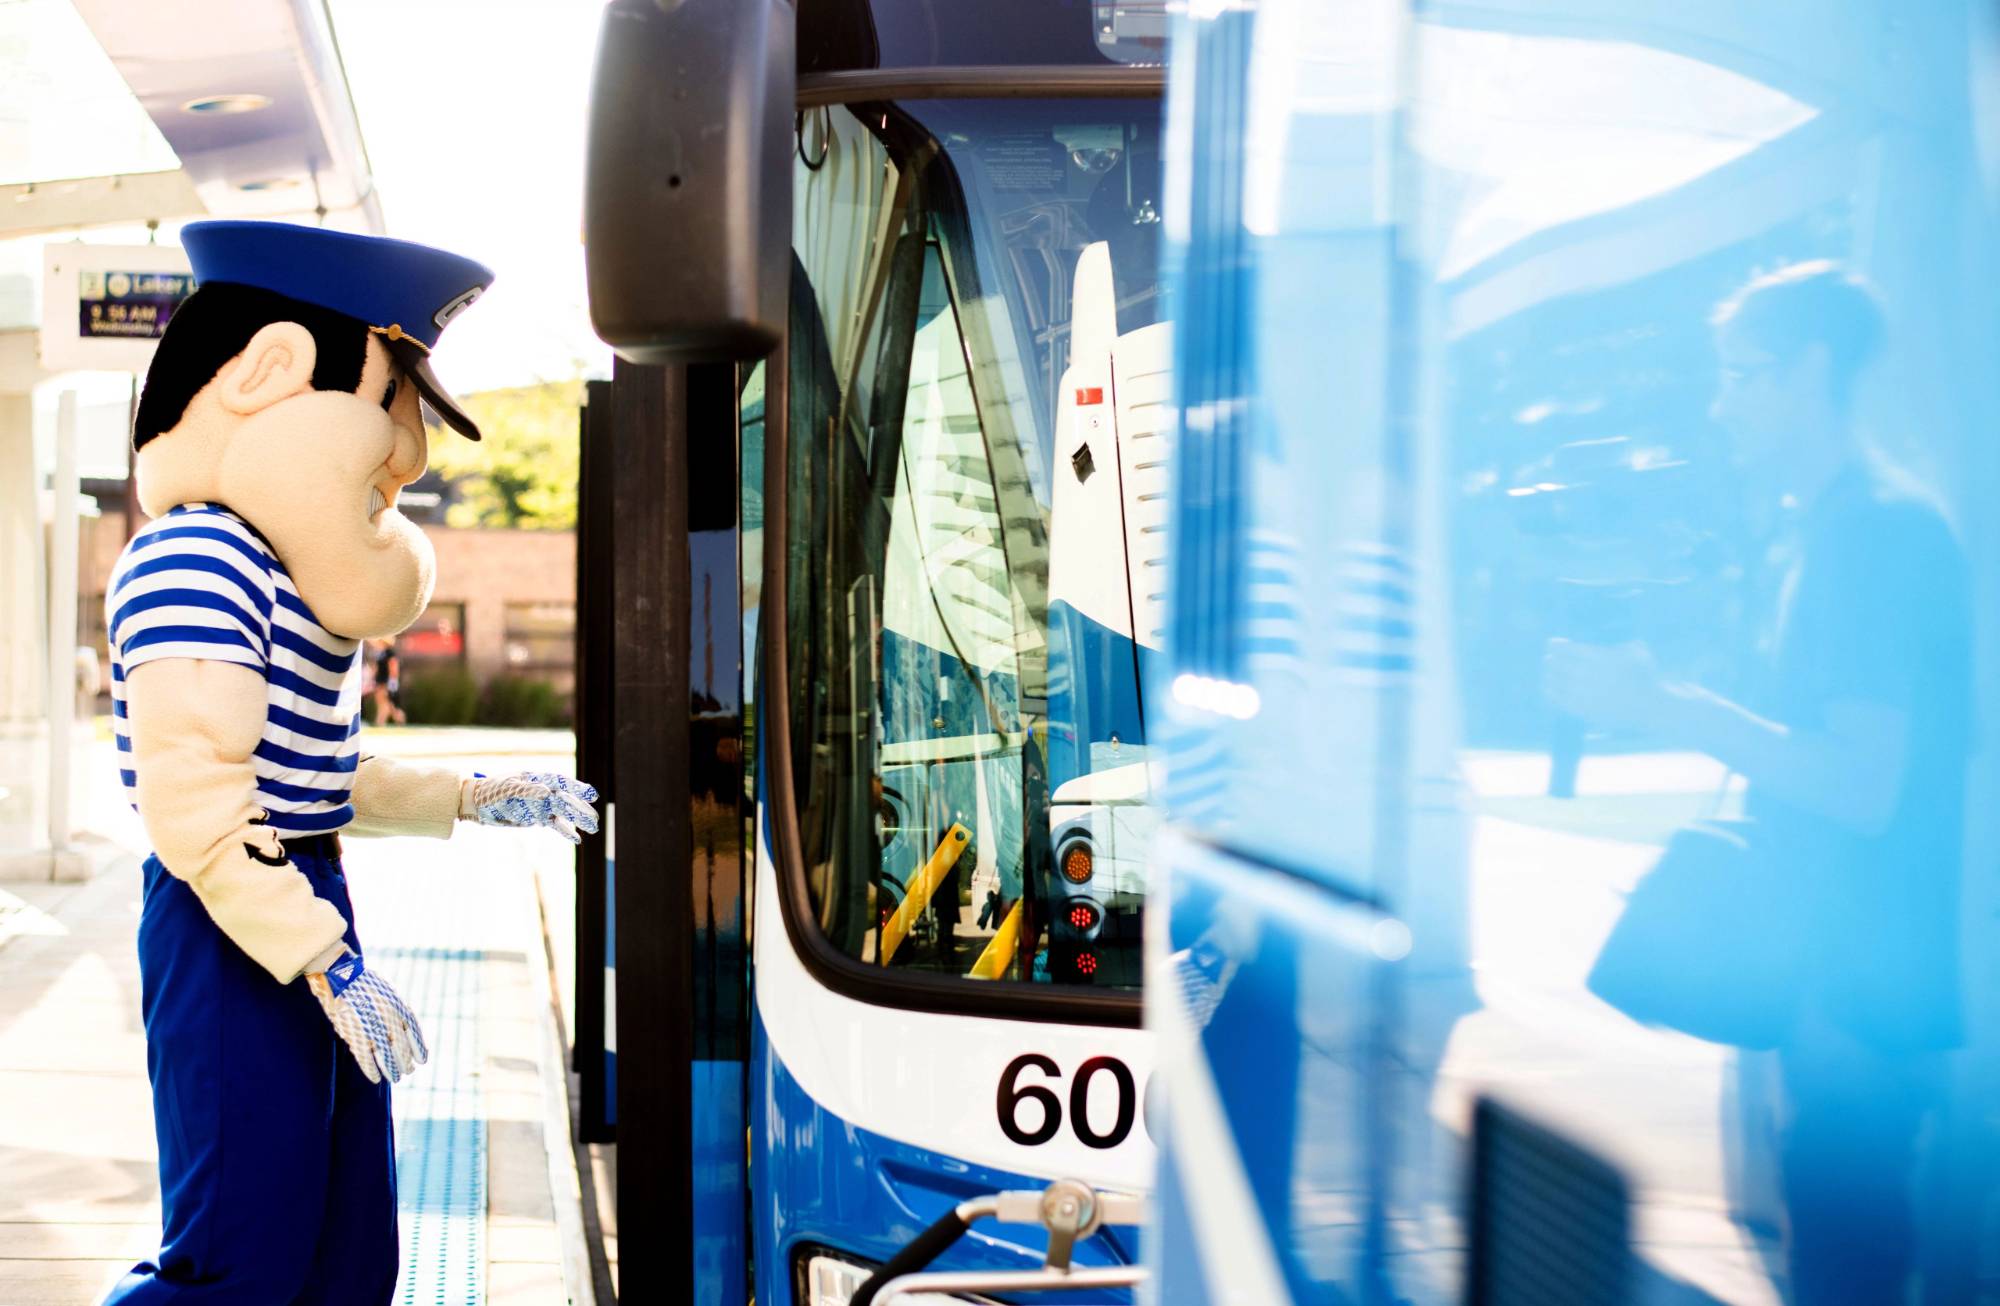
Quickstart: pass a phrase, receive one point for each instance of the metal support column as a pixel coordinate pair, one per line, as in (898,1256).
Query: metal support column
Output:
(63,488)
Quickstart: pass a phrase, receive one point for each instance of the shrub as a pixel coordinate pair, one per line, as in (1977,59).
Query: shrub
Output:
(521,701)
(448,696)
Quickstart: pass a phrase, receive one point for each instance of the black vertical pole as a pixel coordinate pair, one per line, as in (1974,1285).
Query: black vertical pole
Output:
(653,917)
(595,577)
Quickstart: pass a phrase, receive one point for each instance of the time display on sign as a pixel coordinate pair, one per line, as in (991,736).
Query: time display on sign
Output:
(128,305)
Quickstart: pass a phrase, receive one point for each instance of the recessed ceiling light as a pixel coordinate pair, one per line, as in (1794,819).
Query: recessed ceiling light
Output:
(228,104)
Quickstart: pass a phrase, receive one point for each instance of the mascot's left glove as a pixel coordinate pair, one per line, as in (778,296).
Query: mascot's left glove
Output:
(529,799)
(370,1018)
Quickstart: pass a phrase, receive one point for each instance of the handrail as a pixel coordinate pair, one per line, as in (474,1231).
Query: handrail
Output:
(999,951)
(1069,1209)
(1043,1280)
(917,895)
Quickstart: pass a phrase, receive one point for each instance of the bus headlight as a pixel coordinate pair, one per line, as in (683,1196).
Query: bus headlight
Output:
(830,1281)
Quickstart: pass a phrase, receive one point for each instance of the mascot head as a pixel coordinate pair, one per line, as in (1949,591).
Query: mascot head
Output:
(286,389)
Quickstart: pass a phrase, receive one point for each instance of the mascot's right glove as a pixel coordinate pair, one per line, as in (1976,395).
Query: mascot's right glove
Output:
(370,1018)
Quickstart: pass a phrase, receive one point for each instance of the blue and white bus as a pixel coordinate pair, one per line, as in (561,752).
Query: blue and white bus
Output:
(1439,541)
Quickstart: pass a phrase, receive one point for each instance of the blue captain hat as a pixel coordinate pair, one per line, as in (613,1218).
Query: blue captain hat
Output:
(405,293)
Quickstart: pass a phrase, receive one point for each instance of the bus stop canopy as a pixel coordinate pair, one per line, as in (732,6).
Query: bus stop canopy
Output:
(117,116)
(123,111)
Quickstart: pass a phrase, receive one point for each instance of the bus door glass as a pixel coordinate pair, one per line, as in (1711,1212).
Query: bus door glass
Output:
(975,533)
(1710,303)
(1629,431)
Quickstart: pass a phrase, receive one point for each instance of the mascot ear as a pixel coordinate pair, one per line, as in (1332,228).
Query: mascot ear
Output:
(275,365)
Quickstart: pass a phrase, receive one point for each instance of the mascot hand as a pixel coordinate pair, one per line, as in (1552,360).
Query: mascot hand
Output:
(530,799)
(377,1028)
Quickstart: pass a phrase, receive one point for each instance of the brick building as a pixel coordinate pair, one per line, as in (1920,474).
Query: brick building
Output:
(510,596)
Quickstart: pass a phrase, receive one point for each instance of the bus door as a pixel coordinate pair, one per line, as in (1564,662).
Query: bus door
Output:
(961,467)
(1579,873)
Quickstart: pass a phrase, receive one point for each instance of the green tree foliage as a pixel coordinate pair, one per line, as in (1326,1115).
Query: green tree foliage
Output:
(523,473)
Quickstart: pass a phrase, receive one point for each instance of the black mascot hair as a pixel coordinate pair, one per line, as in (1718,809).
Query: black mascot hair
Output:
(214,324)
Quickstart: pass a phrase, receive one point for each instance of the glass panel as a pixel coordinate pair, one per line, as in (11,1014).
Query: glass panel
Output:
(975,520)
(1628,404)
(1712,384)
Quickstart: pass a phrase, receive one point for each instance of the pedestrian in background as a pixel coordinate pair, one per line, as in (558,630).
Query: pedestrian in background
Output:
(1852,732)
(386,672)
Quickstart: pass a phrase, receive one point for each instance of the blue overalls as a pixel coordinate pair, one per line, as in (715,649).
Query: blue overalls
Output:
(277,1161)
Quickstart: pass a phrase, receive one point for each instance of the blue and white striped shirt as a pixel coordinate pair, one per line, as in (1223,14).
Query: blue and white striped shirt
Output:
(200,583)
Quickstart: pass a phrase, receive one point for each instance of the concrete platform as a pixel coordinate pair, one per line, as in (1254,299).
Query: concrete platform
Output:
(459,922)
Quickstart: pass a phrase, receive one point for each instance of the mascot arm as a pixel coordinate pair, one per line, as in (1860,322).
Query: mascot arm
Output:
(392,798)
(194,725)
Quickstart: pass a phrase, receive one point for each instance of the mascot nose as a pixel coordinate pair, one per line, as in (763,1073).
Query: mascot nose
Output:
(409,456)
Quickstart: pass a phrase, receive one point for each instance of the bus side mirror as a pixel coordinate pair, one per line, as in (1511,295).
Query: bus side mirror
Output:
(687,183)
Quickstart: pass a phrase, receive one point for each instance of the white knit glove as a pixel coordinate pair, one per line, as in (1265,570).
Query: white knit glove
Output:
(378,1029)
(530,799)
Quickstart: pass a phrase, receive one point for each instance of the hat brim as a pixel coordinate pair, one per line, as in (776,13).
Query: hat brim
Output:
(417,365)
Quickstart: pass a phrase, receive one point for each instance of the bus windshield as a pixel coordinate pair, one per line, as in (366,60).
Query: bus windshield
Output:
(975,530)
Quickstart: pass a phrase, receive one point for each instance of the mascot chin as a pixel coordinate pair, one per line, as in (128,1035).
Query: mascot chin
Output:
(280,422)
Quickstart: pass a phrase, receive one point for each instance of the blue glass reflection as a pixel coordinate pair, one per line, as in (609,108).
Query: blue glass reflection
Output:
(1615,401)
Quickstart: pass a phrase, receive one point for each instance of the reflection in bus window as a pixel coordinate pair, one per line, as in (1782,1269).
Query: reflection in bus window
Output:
(975,532)
(1643,358)
(1704,580)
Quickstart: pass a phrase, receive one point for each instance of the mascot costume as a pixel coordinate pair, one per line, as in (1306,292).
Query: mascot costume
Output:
(279,423)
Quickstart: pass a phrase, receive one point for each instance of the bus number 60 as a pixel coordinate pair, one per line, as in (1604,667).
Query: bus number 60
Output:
(1012,1093)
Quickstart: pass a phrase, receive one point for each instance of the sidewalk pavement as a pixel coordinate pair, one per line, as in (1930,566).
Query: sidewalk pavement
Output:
(489,1188)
